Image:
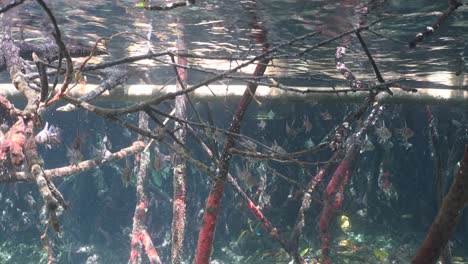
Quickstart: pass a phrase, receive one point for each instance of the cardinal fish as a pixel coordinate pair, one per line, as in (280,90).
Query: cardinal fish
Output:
(74,151)
(159,159)
(49,136)
(103,150)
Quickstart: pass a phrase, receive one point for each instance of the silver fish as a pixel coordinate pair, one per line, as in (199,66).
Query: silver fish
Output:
(367,146)
(277,149)
(49,136)
(4,127)
(102,151)
(262,124)
(247,177)
(290,131)
(74,151)
(248,144)
(159,159)
(107,142)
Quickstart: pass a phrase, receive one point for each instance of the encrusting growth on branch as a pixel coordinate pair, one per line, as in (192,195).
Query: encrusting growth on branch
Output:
(140,236)
(135,148)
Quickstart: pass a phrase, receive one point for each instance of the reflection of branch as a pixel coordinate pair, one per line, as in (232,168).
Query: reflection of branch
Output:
(114,79)
(111,63)
(453,5)
(11,5)
(169,96)
(328,41)
(124,60)
(374,65)
(41,70)
(333,90)
(63,51)
(49,51)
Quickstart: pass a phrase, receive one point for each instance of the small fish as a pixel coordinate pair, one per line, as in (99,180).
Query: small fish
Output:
(368,146)
(278,149)
(103,150)
(30,200)
(106,154)
(107,142)
(406,133)
(248,144)
(326,115)
(407,145)
(456,123)
(384,134)
(289,130)
(159,159)
(247,177)
(388,145)
(219,137)
(406,216)
(49,136)
(84,250)
(74,151)
(309,143)
(4,127)
(271,115)
(261,124)
(345,223)
(66,108)
(362,212)
(306,124)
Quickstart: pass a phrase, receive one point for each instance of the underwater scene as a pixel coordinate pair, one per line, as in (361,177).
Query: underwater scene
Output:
(285,131)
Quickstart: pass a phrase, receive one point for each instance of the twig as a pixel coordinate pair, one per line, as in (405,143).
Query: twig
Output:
(10,5)
(453,5)
(136,147)
(374,65)
(63,50)
(41,69)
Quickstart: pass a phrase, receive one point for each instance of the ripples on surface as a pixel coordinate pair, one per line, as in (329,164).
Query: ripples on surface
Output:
(226,28)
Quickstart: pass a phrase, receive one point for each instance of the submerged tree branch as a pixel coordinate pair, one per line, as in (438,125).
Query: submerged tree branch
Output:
(447,217)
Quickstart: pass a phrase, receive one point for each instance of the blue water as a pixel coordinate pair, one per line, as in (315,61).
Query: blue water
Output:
(391,198)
